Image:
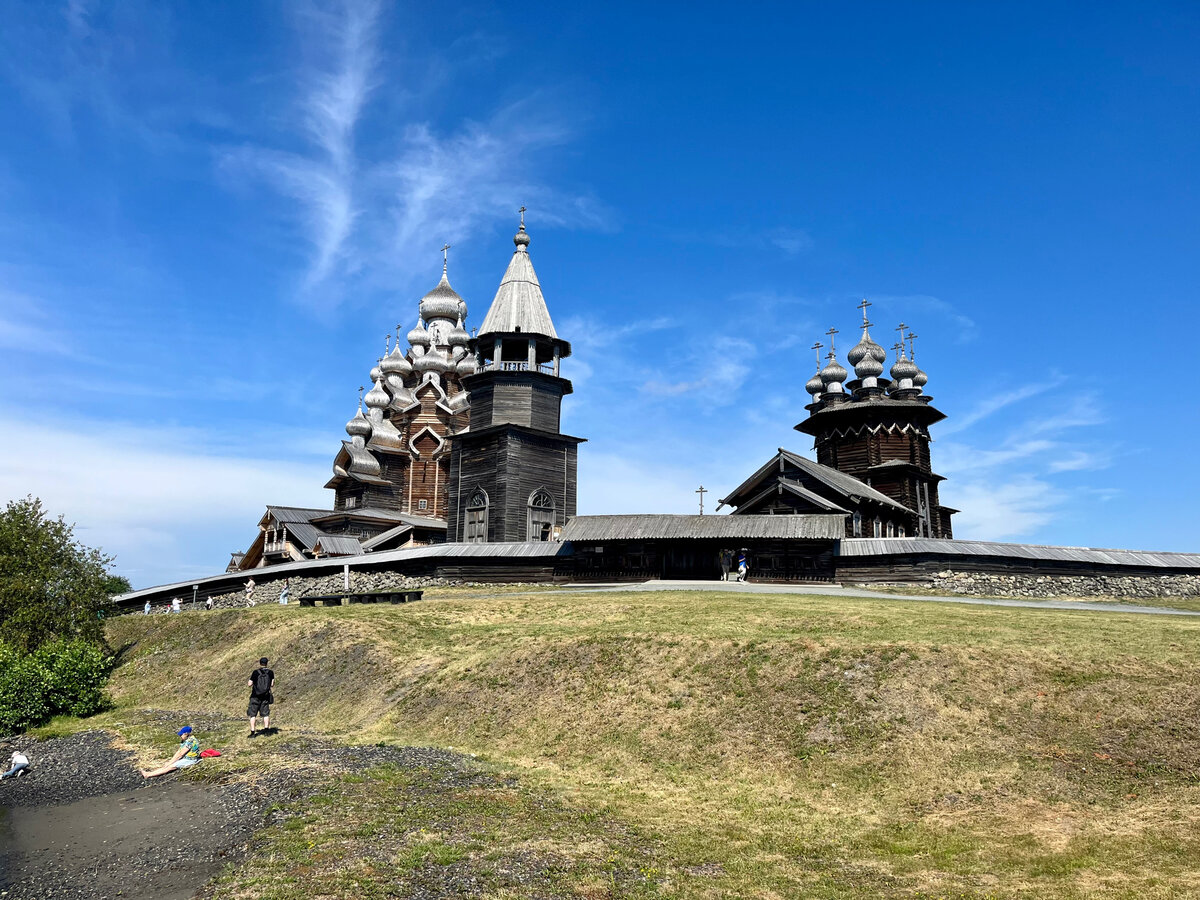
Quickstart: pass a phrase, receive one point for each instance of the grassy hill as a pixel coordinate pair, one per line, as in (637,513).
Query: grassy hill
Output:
(750,746)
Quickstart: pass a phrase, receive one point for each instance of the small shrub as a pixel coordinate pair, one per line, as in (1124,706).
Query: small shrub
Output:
(60,677)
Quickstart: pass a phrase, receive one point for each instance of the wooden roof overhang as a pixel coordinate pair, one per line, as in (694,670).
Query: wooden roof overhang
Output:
(853,413)
(783,485)
(506,426)
(902,467)
(546,345)
(840,483)
(512,376)
(597,529)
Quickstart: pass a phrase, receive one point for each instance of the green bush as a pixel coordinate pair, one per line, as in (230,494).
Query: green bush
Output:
(59,677)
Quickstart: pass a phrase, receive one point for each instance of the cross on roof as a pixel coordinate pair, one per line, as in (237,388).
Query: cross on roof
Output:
(702,491)
(522,211)
(360,393)
(831,332)
(900,328)
(817,346)
(863,306)
(445,257)
(911,353)
(387,343)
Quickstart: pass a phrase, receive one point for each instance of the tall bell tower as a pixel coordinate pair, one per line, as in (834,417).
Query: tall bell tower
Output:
(513,472)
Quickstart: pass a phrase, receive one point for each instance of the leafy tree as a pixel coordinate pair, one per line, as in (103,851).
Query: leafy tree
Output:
(51,586)
(117,584)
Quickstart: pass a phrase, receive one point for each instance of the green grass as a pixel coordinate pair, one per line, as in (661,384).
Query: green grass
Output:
(765,746)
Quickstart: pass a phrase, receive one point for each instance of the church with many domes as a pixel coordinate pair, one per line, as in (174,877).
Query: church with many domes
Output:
(459,439)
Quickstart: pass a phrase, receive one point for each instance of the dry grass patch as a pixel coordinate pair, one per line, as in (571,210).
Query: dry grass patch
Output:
(780,744)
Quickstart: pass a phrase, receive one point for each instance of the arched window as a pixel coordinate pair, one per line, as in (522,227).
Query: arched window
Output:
(878,527)
(477,518)
(541,516)
(891,532)
(857,520)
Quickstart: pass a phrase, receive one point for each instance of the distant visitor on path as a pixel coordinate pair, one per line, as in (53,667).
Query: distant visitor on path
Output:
(208,603)
(249,591)
(261,681)
(283,595)
(743,567)
(20,763)
(174,604)
(188,754)
(146,609)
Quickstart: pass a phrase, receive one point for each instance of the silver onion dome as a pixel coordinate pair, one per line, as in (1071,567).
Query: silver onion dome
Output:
(377,397)
(868,367)
(419,337)
(904,369)
(359,426)
(521,239)
(443,302)
(466,365)
(833,373)
(815,385)
(395,363)
(920,379)
(866,348)
(458,335)
(376,373)
(432,361)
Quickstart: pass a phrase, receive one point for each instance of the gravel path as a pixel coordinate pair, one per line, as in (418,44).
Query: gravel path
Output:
(84,824)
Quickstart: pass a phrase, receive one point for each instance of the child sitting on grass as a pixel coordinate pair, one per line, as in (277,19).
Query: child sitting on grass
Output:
(188,754)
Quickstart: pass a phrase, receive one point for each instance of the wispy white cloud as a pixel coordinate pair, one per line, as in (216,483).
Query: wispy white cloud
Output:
(450,185)
(723,370)
(905,305)
(997,401)
(339,75)
(363,214)
(995,510)
(151,496)
(25,325)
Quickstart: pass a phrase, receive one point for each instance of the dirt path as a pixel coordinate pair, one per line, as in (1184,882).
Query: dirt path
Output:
(84,824)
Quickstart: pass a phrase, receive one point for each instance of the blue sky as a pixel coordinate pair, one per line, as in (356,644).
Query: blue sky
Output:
(211,214)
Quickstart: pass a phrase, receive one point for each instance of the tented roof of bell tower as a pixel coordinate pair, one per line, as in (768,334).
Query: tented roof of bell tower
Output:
(519,306)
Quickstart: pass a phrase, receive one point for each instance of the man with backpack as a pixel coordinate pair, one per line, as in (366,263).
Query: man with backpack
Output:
(261,681)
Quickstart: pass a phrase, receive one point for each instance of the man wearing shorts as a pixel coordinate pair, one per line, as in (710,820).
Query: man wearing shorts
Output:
(261,681)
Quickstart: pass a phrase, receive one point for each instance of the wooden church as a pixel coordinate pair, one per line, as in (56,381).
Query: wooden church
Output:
(871,436)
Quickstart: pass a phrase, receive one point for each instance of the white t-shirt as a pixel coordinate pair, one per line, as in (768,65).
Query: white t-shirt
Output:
(20,759)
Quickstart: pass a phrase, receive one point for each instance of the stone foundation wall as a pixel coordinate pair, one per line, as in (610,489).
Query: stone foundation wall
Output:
(302,586)
(985,584)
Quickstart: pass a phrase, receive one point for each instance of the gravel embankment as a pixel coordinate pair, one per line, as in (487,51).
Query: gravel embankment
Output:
(84,824)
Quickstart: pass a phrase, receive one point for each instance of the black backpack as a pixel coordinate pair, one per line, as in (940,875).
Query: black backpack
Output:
(262,682)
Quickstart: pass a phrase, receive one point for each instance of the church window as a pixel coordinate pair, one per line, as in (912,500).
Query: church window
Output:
(541,516)
(422,504)
(878,527)
(857,523)
(477,518)
(900,531)
(890,530)
(351,502)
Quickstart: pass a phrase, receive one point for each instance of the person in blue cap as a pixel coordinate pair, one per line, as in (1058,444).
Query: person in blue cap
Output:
(188,754)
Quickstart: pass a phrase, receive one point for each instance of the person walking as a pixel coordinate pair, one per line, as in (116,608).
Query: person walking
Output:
(208,603)
(175,604)
(188,754)
(743,568)
(261,681)
(283,595)
(146,609)
(250,591)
